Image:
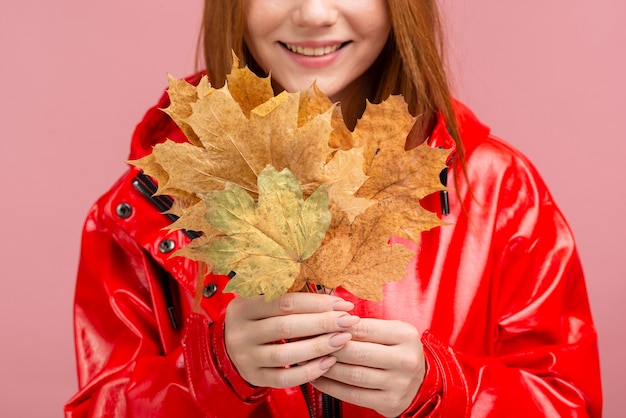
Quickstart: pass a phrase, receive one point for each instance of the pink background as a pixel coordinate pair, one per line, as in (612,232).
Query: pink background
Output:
(78,75)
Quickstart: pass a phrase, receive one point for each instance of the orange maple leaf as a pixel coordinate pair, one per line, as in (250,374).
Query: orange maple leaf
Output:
(374,185)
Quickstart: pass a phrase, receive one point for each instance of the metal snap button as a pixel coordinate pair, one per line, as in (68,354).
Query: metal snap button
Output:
(209,290)
(124,210)
(166,246)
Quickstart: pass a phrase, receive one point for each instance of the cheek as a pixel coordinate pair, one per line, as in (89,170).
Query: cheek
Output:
(263,17)
(253,40)
(374,25)
(382,23)
(253,31)
(382,26)
(383,35)
(261,24)
(254,25)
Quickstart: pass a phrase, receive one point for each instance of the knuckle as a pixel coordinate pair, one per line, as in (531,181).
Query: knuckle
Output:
(356,376)
(283,379)
(322,324)
(286,303)
(360,355)
(410,362)
(321,347)
(317,348)
(326,323)
(278,356)
(355,397)
(284,328)
(361,330)
(409,333)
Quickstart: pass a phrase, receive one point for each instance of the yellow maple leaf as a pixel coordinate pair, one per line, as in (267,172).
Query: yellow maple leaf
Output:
(265,242)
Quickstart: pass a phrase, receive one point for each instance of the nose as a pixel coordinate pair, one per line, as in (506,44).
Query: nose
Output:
(315,13)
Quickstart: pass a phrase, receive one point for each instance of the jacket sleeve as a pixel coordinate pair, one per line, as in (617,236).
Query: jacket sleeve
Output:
(131,362)
(541,357)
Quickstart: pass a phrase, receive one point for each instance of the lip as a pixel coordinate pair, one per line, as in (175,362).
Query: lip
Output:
(318,53)
(315,43)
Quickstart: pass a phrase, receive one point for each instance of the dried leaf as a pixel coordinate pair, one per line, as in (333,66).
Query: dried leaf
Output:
(248,90)
(235,146)
(265,242)
(358,255)
(312,103)
(273,226)
(403,177)
(182,95)
(345,176)
(193,218)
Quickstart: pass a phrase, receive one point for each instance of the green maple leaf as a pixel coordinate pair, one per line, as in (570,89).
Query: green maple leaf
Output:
(265,243)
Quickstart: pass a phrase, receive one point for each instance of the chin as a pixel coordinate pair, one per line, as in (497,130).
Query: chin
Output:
(300,85)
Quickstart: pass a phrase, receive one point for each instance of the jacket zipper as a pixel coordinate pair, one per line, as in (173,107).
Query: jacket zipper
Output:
(331,407)
(443,178)
(147,188)
(307,399)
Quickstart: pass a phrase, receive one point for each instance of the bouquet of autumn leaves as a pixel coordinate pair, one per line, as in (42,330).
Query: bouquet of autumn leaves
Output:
(287,197)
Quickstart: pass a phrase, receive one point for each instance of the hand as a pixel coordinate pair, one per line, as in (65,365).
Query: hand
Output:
(381,368)
(264,339)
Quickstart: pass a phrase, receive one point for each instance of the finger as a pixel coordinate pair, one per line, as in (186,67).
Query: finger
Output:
(294,376)
(355,395)
(290,303)
(282,355)
(384,331)
(360,376)
(301,326)
(359,353)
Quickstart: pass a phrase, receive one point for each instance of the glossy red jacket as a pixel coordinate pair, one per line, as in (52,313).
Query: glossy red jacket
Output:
(498,295)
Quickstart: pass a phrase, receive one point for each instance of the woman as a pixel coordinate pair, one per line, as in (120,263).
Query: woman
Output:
(492,321)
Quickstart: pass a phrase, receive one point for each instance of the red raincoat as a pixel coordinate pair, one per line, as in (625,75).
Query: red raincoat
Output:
(498,295)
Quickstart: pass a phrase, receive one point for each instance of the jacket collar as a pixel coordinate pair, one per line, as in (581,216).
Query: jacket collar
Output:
(472,131)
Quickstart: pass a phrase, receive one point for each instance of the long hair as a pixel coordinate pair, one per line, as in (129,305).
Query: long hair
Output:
(411,63)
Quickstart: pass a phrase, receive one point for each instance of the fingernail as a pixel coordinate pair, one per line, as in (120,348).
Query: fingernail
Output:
(327,363)
(342,305)
(339,339)
(347,321)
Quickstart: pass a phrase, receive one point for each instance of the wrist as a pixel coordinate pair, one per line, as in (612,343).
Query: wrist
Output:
(227,367)
(210,372)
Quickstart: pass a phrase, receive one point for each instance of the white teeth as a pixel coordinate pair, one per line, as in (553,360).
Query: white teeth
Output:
(312,52)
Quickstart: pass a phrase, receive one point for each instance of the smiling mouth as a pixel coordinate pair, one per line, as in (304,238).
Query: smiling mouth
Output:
(313,52)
